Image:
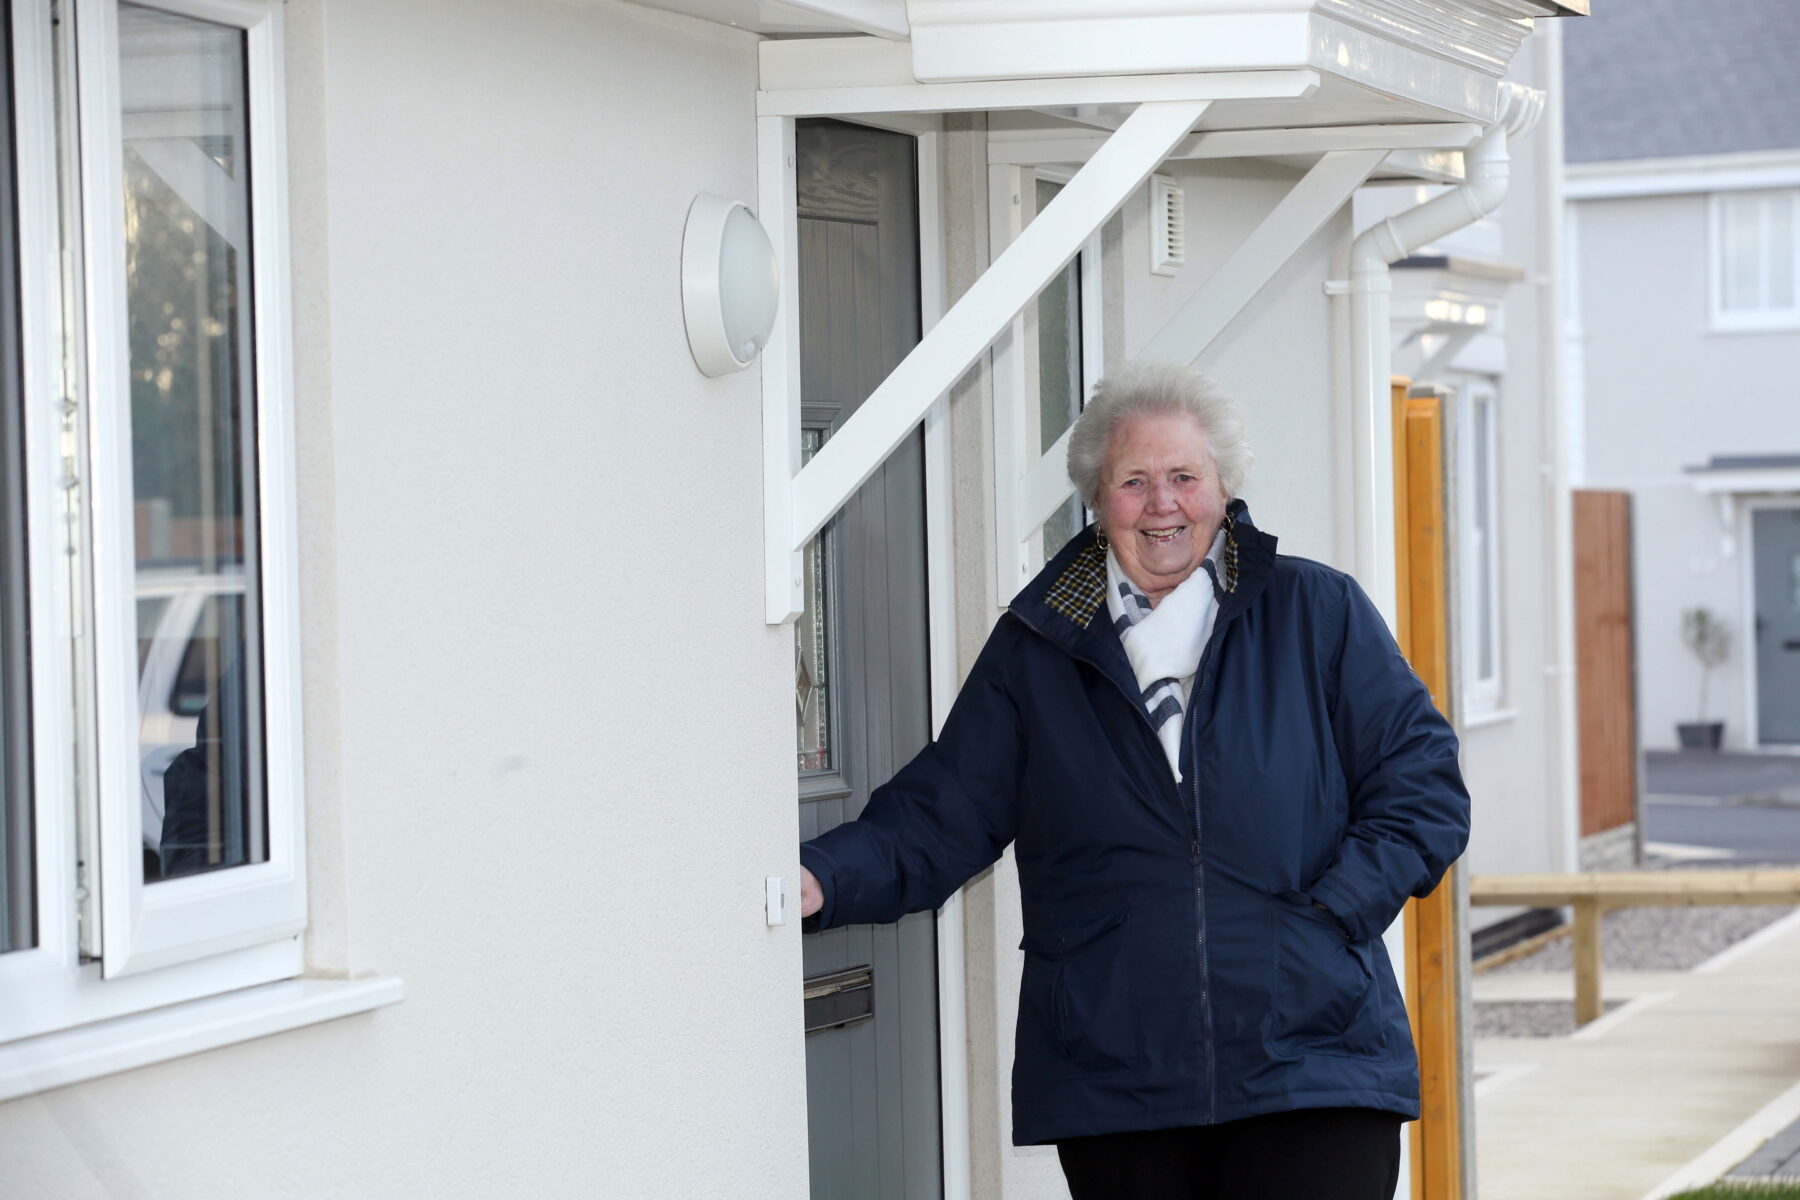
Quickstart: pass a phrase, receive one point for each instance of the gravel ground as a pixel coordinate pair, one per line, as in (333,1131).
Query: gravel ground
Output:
(1528,1018)
(1662,939)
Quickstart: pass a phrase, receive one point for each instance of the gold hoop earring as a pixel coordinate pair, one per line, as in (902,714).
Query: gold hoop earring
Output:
(1100,537)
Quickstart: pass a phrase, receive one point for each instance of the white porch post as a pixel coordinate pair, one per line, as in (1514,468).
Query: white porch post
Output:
(901,400)
(776,199)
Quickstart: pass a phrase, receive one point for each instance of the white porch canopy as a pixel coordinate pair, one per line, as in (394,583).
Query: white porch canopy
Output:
(1348,88)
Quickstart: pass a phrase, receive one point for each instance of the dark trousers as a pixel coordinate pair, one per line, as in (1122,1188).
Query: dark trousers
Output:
(1307,1154)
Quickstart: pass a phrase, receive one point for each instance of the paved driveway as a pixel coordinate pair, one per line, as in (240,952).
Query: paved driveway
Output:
(1744,805)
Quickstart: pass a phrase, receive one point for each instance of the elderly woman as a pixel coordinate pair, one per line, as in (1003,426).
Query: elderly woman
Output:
(1223,781)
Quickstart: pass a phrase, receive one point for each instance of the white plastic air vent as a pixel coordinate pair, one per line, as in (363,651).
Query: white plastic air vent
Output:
(1168,226)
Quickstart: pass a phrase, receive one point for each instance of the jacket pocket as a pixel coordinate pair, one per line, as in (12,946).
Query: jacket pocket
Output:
(1327,999)
(1077,989)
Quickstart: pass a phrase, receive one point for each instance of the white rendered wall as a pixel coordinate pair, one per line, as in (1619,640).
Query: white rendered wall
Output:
(565,758)
(1684,393)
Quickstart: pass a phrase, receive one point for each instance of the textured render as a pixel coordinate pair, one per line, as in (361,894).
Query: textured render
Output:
(547,544)
(1670,78)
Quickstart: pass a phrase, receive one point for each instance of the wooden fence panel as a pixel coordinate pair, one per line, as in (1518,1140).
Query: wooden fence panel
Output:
(1605,685)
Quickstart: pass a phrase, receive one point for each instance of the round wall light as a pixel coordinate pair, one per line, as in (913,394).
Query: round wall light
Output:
(729,284)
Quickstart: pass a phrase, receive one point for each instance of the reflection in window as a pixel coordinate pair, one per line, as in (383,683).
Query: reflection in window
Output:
(1479,509)
(193,414)
(811,646)
(1060,373)
(18,917)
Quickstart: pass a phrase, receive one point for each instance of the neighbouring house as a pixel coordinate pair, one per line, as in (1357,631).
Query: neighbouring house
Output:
(1683,334)
(417,673)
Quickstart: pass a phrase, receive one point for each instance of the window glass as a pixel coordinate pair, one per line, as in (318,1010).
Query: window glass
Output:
(17,884)
(811,642)
(1757,251)
(193,413)
(1780,253)
(1060,372)
(1484,539)
(1740,222)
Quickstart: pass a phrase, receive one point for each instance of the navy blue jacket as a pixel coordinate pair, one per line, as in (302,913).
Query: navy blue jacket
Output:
(1178,969)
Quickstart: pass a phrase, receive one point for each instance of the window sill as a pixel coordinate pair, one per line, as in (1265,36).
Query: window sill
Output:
(105,1047)
(1491,716)
(1771,323)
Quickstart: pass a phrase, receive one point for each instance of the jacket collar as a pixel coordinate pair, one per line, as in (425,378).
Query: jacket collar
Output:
(1061,603)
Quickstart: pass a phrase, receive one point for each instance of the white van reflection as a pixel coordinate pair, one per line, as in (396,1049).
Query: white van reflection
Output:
(180,615)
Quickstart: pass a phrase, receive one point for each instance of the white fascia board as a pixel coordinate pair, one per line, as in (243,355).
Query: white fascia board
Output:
(1778,480)
(1018,39)
(1128,90)
(1031,149)
(1014,39)
(1674,176)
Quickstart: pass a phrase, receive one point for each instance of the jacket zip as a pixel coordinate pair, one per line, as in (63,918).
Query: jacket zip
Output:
(1195,858)
(1198,859)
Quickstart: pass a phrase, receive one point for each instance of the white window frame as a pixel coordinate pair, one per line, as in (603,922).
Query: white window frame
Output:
(1090,300)
(1018,549)
(1482,696)
(1757,319)
(189,938)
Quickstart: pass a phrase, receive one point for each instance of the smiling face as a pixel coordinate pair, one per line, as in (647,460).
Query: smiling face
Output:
(1160,500)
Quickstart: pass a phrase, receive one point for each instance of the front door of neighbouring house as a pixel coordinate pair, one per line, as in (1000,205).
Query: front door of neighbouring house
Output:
(1776,536)
(861,669)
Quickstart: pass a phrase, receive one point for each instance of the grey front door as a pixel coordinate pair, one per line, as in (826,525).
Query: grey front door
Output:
(861,669)
(1776,536)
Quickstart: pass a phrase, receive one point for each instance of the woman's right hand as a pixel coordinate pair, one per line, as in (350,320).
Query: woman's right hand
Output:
(812,896)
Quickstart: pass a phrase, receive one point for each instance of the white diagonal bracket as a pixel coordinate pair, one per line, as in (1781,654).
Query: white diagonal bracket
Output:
(864,441)
(1187,333)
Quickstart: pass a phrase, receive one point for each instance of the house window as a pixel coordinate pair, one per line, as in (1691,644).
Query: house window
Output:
(150,844)
(1068,358)
(1756,259)
(1479,506)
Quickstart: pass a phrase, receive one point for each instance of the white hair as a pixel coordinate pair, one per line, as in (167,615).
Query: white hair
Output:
(1157,389)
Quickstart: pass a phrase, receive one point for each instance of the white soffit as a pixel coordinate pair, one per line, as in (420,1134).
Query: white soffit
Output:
(883,18)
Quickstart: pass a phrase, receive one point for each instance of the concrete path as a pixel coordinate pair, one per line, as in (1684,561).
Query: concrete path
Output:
(1612,1112)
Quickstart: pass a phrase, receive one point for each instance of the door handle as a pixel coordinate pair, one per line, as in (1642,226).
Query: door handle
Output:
(840,998)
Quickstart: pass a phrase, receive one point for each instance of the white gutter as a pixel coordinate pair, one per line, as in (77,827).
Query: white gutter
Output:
(1371,333)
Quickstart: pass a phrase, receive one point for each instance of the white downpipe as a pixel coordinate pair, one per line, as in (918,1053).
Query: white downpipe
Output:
(1372,367)
(1371,330)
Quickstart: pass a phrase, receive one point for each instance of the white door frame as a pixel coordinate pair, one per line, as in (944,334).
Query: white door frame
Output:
(940,607)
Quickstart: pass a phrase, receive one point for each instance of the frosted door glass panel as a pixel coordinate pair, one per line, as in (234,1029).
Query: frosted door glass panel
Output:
(193,415)
(18,916)
(812,649)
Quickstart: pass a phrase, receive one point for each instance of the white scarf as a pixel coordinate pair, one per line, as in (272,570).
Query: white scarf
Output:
(1164,643)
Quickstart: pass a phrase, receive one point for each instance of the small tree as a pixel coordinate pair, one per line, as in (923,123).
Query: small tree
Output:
(1708,638)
